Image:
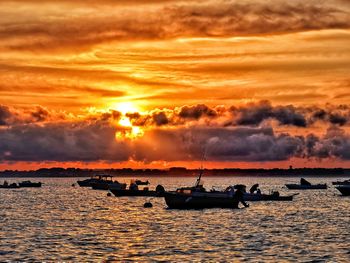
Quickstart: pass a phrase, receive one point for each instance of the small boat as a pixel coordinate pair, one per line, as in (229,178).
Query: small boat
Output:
(305,185)
(106,185)
(88,182)
(274,196)
(9,186)
(346,182)
(159,192)
(29,184)
(344,189)
(139,182)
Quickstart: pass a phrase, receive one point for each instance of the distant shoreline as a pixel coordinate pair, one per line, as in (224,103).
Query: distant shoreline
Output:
(177,172)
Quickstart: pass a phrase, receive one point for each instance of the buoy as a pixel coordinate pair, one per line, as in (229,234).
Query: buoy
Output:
(73,185)
(109,194)
(147,205)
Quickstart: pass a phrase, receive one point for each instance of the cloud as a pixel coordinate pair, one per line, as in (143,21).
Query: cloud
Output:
(72,27)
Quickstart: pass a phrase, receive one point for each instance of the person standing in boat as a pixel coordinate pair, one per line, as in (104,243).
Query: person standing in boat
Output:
(239,194)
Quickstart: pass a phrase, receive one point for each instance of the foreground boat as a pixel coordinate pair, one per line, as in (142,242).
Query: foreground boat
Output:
(29,184)
(305,185)
(344,189)
(199,200)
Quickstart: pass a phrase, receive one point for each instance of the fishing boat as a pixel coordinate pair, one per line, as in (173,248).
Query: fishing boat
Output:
(346,182)
(29,184)
(344,189)
(197,197)
(305,185)
(158,192)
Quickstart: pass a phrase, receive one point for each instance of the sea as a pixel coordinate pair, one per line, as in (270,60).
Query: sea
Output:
(62,223)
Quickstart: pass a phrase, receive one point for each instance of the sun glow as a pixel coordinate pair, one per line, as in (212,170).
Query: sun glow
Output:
(127,129)
(126,107)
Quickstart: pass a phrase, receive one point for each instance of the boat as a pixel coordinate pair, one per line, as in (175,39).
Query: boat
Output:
(139,182)
(274,196)
(197,197)
(106,183)
(6,185)
(29,184)
(158,192)
(100,178)
(88,182)
(305,185)
(346,182)
(199,200)
(344,189)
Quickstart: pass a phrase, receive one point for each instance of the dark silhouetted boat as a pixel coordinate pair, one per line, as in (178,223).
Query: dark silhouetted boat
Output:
(88,182)
(6,185)
(197,197)
(274,196)
(346,182)
(305,185)
(29,184)
(139,182)
(344,189)
(107,185)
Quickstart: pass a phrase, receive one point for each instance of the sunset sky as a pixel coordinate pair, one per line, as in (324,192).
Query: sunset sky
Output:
(151,83)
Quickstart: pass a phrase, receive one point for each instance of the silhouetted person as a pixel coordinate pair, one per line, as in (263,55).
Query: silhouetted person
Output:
(254,188)
(239,194)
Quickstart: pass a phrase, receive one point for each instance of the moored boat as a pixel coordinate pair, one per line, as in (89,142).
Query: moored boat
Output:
(139,182)
(29,184)
(274,196)
(6,185)
(344,189)
(90,181)
(305,185)
(107,183)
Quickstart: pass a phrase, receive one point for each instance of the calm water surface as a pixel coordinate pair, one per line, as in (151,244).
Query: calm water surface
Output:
(59,222)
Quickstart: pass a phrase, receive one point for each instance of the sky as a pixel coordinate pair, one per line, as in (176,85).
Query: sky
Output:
(162,83)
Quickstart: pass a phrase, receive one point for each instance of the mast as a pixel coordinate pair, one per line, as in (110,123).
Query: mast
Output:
(201,170)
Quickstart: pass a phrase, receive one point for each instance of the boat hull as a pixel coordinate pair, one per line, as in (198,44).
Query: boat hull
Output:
(306,187)
(344,189)
(201,201)
(266,197)
(29,184)
(127,192)
(341,183)
(107,186)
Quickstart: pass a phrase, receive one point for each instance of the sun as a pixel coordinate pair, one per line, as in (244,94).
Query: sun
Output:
(128,130)
(126,107)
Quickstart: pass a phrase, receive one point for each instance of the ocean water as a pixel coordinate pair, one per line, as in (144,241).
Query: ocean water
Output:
(59,222)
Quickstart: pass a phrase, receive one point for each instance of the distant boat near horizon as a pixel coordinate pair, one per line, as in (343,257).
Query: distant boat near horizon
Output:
(305,185)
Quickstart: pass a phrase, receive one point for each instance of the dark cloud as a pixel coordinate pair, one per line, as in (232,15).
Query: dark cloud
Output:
(196,112)
(168,20)
(4,115)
